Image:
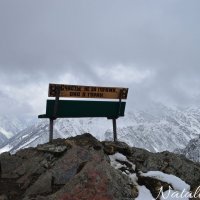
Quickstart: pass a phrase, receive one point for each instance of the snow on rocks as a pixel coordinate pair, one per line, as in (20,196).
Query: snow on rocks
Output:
(144,193)
(174,187)
(180,189)
(176,182)
(118,160)
(172,195)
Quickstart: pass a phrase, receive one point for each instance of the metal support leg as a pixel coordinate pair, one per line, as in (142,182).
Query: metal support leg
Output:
(51,131)
(114,130)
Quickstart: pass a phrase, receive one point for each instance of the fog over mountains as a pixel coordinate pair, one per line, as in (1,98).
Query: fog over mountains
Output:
(158,128)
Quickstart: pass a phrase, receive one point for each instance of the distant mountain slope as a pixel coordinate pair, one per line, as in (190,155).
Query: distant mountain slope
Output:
(3,138)
(39,133)
(10,126)
(192,150)
(160,131)
(157,129)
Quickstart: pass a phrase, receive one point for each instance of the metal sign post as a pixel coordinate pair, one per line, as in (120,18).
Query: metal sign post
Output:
(114,129)
(122,93)
(51,130)
(54,114)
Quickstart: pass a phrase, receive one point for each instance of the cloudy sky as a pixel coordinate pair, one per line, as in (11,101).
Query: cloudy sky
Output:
(152,47)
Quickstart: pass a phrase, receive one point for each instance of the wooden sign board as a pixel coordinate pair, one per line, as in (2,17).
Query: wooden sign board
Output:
(80,91)
(78,108)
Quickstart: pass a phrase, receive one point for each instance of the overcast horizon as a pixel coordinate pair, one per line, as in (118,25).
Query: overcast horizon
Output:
(152,47)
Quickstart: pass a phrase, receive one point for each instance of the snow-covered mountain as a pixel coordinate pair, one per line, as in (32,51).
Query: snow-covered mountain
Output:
(10,126)
(192,150)
(3,138)
(163,128)
(158,128)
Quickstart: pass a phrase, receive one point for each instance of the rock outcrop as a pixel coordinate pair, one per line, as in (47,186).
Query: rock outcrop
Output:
(80,168)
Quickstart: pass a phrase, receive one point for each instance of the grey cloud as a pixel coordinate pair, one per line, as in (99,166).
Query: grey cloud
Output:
(40,41)
(11,107)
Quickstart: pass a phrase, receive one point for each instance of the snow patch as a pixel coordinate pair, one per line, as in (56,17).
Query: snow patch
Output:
(118,156)
(8,134)
(171,195)
(176,182)
(116,161)
(5,148)
(26,135)
(27,143)
(144,193)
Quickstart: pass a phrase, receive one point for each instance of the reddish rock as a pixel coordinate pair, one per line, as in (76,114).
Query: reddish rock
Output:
(79,169)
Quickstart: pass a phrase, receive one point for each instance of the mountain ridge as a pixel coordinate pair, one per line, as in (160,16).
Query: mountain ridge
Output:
(158,129)
(192,150)
(9,126)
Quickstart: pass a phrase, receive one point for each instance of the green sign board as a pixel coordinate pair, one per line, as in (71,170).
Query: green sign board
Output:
(72,108)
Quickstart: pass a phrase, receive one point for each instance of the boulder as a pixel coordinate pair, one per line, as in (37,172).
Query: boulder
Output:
(79,168)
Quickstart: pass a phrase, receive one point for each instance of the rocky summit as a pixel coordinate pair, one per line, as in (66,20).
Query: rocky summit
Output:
(83,168)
